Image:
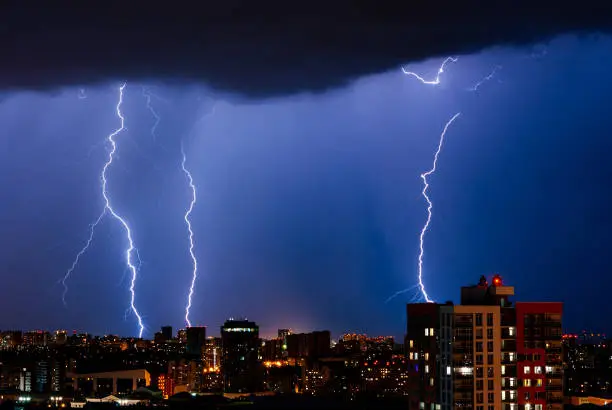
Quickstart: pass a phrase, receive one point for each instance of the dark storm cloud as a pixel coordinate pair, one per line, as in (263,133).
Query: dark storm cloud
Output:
(262,48)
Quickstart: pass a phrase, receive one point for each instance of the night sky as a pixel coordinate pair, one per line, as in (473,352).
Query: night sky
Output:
(309,205)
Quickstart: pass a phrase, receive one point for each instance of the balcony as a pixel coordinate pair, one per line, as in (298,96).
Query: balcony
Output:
(554,399)
(463,385)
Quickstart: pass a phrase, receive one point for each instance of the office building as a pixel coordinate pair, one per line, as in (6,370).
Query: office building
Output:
(196,338)
(240,364)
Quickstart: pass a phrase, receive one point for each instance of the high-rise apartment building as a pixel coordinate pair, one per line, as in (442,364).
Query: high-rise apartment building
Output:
(485,353)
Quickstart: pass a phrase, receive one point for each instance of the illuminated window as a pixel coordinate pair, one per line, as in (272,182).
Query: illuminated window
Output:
(465,371)
(503,395)
(549,369)
(426,331)
(537,370)
(538,407)
(527,406)
(448,370)
(512,394)
(411,356)
(511,356)
(411,344)
(431,381)
(526,370)
(431,331)
(539,382)
(503,369)
(512,382)
(511,331)
(527,383)
(426,356)
(426,368)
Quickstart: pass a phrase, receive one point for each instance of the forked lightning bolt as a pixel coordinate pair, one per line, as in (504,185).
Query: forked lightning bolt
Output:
(436,80)
(187,216)
(128,232)
(420,286)
(108,208)
(430,205)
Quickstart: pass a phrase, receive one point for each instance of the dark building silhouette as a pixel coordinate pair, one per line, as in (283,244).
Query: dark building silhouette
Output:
(240,364)
(196,339)
(166,332)
(311,345)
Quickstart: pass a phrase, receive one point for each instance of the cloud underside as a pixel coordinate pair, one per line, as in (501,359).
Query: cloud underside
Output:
(265,48)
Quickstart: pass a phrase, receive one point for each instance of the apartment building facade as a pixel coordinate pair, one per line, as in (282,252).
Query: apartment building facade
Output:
(486,353)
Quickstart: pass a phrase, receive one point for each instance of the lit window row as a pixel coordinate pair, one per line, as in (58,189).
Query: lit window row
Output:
(536,369)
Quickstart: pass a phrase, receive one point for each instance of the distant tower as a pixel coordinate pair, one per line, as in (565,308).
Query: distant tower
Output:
(166,332)
(240,363)
(196,339)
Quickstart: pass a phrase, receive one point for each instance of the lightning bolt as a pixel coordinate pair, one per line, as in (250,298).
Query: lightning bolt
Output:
(430,204)
(187,219)
(147,95)
(128,232)
(436,80)
(420,286)
(75,262)
(485,79)
(108,209)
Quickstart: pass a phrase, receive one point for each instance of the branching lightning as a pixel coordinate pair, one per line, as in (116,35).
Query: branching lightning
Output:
(430,204)
(75,262)
(187,219)
(131,249)
(486,78)
(421,293)
(146,93)
(436,80)
(128,232)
